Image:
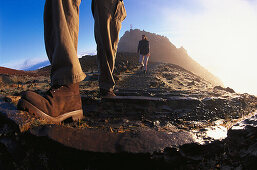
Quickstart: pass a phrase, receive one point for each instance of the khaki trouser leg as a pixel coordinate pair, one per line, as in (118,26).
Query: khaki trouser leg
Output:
(61,27)
(108,15)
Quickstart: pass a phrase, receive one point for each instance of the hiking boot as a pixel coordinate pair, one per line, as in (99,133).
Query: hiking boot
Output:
(145,71)
(106,93)
(57,104)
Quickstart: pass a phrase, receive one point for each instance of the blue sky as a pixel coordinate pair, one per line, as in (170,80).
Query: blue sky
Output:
(21,26)
(219,34)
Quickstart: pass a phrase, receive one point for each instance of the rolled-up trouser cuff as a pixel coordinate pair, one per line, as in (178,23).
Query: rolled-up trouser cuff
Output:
(67,79)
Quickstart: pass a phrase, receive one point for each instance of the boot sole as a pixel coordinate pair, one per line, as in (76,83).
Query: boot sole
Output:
(27,106)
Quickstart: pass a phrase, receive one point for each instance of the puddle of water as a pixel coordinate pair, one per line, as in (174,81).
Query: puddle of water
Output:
(219,132)
(210,134)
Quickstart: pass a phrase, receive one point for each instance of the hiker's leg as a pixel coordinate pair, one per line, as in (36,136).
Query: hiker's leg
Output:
(108,15)
(146,58)
(141,60)
(62,101)
(61,27)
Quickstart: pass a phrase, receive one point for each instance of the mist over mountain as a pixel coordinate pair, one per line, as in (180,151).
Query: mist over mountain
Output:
(162,50)
(36,66)
(28,65)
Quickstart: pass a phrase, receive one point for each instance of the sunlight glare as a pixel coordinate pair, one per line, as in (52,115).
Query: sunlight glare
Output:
(222,38)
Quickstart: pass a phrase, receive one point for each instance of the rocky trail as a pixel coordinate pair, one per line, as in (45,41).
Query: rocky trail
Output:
(168,118)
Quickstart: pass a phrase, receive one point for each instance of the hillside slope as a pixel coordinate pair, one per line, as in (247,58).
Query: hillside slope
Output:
(9,71)
(162,50)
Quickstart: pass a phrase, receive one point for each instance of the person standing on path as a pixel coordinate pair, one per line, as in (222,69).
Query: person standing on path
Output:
(61,27)
(143,50)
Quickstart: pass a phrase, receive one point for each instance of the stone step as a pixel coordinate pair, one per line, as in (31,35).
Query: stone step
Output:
(130,102)
(154,92)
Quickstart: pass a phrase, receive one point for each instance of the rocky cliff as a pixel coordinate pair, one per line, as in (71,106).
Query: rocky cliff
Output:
(162,50)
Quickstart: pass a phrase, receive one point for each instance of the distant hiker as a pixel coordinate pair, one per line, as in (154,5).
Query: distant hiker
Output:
(61,27)
(144,51)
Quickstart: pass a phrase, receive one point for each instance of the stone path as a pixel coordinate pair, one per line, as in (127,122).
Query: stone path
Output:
(162,115)
(137,80)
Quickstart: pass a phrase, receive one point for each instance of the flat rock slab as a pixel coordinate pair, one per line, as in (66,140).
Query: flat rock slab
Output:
(96,140)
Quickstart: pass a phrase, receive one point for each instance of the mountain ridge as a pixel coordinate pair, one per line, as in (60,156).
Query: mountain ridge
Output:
(162,50)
